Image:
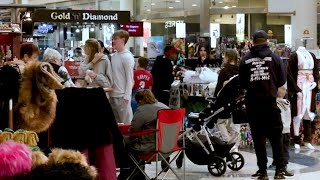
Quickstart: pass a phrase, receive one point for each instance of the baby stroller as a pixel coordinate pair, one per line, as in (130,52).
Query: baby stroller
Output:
(201,147)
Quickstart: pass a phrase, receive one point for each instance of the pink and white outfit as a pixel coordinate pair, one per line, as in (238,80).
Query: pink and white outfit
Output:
(305,82)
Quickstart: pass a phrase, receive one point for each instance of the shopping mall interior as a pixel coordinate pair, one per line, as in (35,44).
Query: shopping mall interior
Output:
(187,25)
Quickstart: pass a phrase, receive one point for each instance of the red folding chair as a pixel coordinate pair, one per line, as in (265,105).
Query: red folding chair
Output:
(169,126)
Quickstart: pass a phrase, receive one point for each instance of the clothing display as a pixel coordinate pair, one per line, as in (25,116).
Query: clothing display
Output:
(305,73)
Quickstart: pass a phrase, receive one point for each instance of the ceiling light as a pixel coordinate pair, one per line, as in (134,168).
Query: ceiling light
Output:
(194,5)
(233,6)
(92,29)
(226,7)
(152,4)
(148,10)
(177,1)
(170,7)
(220,2)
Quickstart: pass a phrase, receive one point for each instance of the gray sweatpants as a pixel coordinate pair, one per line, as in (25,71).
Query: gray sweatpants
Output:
(122,111)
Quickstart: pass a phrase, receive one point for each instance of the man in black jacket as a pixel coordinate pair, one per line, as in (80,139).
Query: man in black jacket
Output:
(261,73)
(162,73)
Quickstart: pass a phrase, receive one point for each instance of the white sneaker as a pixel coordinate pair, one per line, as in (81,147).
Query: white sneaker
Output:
(296,146)
(308,145)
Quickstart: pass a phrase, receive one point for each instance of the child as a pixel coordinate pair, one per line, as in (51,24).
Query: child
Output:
(284,106)
(142,80)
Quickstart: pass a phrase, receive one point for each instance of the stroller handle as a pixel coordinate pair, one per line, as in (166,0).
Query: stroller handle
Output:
(238,101)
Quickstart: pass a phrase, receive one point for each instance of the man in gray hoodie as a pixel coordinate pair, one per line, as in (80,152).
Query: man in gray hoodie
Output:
(122,62)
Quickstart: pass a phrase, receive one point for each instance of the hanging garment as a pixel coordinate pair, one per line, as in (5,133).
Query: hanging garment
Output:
(36,107)
(84,118)
(85,122)
(306,83)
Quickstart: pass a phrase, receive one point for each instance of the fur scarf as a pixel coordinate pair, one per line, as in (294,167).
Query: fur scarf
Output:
(36,107)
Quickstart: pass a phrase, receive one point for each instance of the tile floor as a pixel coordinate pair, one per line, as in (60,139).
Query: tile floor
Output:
(305,164)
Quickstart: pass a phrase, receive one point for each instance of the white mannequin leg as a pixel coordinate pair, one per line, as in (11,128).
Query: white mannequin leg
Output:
(296,127)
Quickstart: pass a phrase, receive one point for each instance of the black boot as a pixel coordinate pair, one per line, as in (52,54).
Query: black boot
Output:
(179,160)
(164,165)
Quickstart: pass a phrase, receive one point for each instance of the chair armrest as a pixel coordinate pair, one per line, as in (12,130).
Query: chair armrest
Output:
(141,133)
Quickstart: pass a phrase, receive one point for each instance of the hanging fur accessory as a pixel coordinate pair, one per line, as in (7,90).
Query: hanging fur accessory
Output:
(36,107)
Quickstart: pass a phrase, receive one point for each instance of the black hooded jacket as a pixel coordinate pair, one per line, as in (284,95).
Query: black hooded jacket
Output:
(225,74)
(261,72)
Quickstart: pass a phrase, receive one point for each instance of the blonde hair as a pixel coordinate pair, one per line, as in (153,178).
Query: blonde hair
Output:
(232,55)
(121,34)
(94,46)
(145,97)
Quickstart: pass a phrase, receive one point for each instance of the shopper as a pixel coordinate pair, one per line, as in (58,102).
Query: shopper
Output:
(162,73)
(261,73)
(122,66)
(144,118)
(203,57)
(96,68)
(104,50)
(142,79)
(225,123)
(53,57)
(28,53)
(284,106)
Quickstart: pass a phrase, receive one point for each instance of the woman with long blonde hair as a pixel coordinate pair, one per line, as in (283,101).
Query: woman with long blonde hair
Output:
(96,69)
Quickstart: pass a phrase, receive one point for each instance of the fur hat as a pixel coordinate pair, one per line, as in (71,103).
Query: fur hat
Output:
(15,159)
(36,107)
(61,164)
(65,171)
(38,158)
(60,156)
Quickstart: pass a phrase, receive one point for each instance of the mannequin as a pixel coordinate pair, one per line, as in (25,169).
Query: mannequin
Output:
(304,70)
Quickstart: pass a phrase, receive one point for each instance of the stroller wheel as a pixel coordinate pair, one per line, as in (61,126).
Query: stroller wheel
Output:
(217,166)
(236,162)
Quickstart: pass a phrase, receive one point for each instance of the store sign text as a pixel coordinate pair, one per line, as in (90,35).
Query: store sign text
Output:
(172,23)
(83,16)
(96,16)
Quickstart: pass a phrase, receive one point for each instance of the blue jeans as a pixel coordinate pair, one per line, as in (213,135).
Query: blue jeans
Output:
(134,104)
